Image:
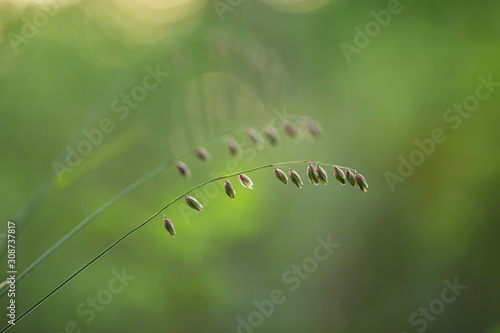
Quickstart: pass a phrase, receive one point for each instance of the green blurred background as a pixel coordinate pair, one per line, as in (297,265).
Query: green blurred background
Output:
(232,65)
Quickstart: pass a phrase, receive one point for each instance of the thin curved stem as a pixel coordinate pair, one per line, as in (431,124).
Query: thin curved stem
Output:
(91,217)
(119,84)
(41,194)
(101,209)
(80,270)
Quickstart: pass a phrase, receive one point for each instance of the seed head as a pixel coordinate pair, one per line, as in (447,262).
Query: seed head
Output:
(254,136)
(281,175)
(290,130)
(245,181)
(339,175)
(350,177)
(183,169)
(193,203)
(314,128)
(322,174)
(362,184)
(312,174)
(203,154)
(228,188)
(169,226)
(295,178)
(271,135)
(234,148)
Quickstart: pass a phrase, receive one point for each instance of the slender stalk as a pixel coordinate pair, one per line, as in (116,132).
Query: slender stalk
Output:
(80,270)
(91,217)
(42,192)
(119,84)
(36,199)
(105,206)
(101,209)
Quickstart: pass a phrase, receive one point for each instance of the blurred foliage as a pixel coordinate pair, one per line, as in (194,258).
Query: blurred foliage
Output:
(264,59)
